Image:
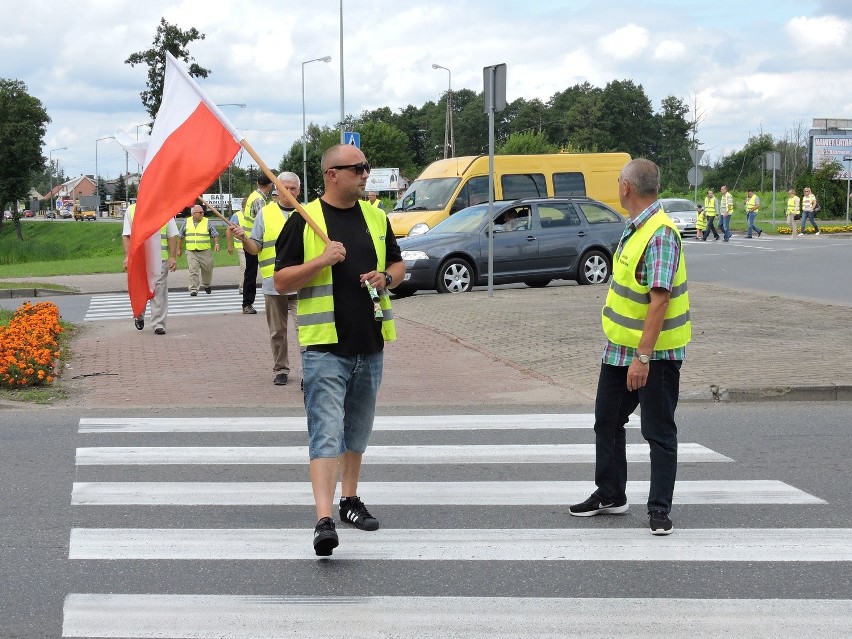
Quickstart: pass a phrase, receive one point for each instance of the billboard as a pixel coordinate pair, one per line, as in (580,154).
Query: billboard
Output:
(831,139)
(383,180)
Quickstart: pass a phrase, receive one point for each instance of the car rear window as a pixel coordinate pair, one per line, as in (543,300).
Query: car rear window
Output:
(597,214)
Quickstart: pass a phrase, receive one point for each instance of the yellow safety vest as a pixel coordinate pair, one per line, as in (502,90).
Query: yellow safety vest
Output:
(197,237)
(245,218)
(315,308)
(164,238)
(623,315)
(808,202)
(751,204)
(710,206)
(728,203)
(701,220)
(793,205)
(273,222)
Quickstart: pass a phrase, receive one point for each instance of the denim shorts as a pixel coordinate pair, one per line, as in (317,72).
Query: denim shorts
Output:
(340,401)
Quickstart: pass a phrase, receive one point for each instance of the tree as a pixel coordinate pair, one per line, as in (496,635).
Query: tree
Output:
(527,143)
(672,152)
(830,191)
(169,38)
(102,189)
(121,188)
(742,169)
(22,126)
(384,145)
(627,119)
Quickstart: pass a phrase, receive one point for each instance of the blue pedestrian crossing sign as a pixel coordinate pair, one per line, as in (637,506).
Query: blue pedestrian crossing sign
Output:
(350,137)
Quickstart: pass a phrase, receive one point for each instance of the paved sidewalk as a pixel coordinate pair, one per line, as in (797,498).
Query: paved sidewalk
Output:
(533,347)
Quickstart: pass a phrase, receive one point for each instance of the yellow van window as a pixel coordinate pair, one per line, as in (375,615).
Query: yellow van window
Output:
(516,187)
(475,191)
(567,184)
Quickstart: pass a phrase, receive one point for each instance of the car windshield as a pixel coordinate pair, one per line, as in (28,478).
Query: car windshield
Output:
(427,195)
(465,221)
(678,206)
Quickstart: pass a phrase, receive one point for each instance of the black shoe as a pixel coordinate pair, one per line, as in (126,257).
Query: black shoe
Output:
(139,322)
(660,523)
(759,233)
(159,331)
(193,293)
(595,506)
(208,290)
(302,385)
(353,511)
(325,537)
(281,379)
(249,310)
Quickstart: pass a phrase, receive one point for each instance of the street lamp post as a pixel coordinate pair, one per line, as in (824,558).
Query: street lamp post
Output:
(848,160)
(304,131)
(50,155)
(449,139)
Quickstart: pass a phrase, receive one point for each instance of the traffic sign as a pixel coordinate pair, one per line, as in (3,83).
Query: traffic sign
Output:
(350,137)
(695,176)
(695,154)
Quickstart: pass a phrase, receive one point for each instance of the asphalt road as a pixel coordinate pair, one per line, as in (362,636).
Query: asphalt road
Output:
(803,446)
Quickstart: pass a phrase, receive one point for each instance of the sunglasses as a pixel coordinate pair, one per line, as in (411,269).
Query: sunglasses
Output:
(361,167)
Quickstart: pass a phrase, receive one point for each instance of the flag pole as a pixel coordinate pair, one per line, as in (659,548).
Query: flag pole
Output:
(285,192)
(204,202)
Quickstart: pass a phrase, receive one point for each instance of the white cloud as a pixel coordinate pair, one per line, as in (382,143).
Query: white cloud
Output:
(819,33)
(625,43)
(670,51)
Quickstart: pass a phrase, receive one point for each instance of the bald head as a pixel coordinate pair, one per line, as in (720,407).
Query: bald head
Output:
(344,186)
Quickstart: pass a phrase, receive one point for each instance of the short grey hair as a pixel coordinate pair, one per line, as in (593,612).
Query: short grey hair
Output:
(289,176)
(644,176)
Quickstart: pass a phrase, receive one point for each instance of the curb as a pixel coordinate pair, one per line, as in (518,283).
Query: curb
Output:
(15,293)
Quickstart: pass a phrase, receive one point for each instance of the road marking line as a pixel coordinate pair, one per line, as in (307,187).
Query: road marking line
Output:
(446,454)
(485,493)
(585,543)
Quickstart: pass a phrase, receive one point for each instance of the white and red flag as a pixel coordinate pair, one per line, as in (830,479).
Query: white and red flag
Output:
(191,143)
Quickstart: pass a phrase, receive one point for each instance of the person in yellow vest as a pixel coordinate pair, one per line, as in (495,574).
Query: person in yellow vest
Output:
(341,329)
(373,199)
(711,205)
(256,200)
(726,210)
(198,234)
(647,326)
(700,222)
(267,227)
(793,209)
(168,250)
(809,207)
(752,207)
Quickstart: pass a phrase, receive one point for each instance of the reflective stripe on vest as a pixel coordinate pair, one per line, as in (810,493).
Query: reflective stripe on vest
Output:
(710,206)
(728,203)
(751,204)
(244,217)
(623,315)
(273,222)
(197,237)
(164,238)
(792,205)
(808,202)
(315,308)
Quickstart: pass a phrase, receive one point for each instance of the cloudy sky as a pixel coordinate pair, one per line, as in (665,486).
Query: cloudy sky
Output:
(753,65)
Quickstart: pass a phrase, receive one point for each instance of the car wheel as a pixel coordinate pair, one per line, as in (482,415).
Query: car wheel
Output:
(537,283)
(400,291)
(595,268)
(454,276)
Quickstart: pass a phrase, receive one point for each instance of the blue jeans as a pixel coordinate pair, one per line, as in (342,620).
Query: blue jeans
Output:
(751,226)
(340,401)
(809,215)
(725,226)
(613,406)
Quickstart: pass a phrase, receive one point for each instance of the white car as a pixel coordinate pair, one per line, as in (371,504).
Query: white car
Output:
(681,212)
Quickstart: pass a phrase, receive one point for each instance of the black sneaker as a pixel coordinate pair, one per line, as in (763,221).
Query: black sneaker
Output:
(208,290)
(660,523)
(325,537)
(595,506)
(353,511)
(139,322)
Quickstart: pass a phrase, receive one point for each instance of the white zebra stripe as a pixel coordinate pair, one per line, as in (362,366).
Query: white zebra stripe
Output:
(560,544)
(261,617)
(534,421)
(117,306)
(485,493)
(438,454)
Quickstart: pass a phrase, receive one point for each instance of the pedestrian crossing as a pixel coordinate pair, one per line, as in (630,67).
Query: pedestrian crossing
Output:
(203,526)
(116,306)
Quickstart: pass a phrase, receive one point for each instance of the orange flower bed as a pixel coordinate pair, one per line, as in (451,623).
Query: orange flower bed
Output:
(29,346)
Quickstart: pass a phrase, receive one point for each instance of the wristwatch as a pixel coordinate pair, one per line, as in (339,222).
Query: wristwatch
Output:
(643,358)
(388,278)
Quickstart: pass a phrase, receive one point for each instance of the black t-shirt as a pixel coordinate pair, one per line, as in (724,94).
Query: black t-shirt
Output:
(358,333)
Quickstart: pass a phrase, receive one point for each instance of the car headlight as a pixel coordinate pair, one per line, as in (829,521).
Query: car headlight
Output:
(413,256)
(418,229)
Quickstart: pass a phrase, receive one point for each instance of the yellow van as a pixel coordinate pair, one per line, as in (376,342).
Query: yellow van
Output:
(447,186)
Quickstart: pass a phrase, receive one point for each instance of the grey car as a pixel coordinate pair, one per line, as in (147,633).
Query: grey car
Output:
(536,240)
(682,212)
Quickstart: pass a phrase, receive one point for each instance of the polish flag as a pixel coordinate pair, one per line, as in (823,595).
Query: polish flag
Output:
(191,143)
